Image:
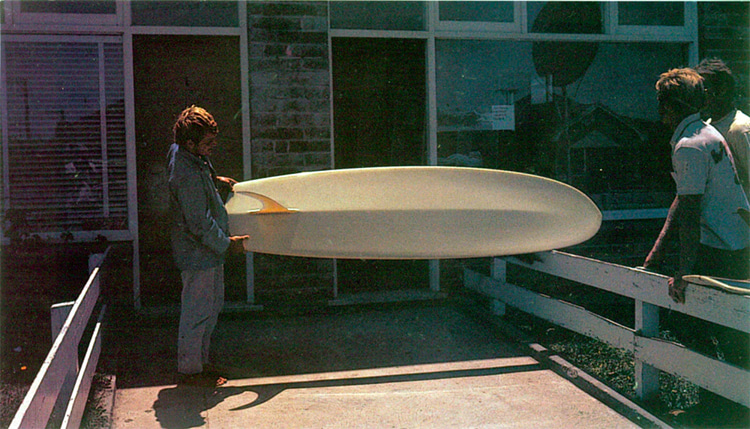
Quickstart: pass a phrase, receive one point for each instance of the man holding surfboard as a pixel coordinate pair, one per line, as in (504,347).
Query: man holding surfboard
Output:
(706,212)
(200,239)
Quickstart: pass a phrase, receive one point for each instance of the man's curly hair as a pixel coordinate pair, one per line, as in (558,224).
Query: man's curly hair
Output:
(683,88)
(193,124)
(717,73)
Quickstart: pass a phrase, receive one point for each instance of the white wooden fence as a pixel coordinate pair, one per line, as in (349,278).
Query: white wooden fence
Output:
(650,291)
(60,381)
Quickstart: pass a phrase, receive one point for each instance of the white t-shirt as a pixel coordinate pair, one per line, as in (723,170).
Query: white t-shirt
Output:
(735,127)
(703,166)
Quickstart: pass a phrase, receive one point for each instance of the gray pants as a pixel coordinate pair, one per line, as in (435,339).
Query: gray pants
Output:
(202,300)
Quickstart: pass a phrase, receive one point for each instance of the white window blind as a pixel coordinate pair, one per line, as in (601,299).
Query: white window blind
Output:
(66,157)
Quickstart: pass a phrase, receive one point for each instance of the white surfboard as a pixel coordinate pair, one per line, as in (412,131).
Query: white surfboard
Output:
(740,287)
(409,213)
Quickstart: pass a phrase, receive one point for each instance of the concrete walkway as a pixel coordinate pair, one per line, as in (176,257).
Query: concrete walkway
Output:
(406,367)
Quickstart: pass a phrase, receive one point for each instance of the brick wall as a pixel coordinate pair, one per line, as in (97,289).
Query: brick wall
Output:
(723,32)
(289,87)
(290,127)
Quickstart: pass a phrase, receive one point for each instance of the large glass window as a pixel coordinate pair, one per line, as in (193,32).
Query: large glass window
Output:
(569,17)
(476,11)
(378,15)
(479,16)
(185,13)
(66,160)
(587,115)
(651,13)
(94,12)
(77,7)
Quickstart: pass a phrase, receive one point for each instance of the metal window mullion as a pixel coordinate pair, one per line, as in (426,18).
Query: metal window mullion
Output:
(5,198)
(103,130)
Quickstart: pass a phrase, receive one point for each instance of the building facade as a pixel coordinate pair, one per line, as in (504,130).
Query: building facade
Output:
(89,90)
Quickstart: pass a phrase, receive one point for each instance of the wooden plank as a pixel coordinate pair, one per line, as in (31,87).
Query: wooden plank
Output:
(39,401)
(705,303)
(58,315)
(80,394)
(564,314)
(719,377)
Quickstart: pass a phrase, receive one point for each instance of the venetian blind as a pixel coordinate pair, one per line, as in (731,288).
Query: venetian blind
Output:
(67,168)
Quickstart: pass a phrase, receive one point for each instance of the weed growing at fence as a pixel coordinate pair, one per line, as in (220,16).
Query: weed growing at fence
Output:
(612,366)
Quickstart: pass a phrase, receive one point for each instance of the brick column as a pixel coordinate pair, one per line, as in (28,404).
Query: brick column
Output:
(289,87)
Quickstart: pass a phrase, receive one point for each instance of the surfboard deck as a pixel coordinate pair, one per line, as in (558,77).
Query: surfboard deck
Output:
(409,213)
(740,287)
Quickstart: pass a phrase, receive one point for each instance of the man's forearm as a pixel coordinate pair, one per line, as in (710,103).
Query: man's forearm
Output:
(690,234)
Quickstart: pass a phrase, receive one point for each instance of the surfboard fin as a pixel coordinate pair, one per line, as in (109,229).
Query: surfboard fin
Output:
(270,206)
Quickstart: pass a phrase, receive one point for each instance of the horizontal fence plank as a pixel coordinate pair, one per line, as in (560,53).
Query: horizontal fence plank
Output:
(569,316)
(720,377)
(37,405)
(77,403)
(709,304)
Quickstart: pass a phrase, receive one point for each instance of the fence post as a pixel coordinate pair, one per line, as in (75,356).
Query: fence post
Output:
(647,325)
(58,314)
(498,272)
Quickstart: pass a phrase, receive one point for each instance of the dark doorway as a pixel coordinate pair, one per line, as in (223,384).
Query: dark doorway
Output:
(171,73)
(379,91)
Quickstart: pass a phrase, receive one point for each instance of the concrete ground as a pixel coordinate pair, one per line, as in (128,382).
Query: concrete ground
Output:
(404,366)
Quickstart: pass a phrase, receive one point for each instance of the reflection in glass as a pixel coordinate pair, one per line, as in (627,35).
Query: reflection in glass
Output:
(476,11)
(185,13)
(565,17)
(66,157)
(378,15)
(599,132)
(651,13)
(101,7)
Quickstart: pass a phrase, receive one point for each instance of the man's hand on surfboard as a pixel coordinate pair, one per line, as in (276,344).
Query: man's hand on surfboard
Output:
(236,243)
(227,181)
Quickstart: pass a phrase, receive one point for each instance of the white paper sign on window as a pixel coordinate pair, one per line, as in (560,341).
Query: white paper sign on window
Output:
(503,117)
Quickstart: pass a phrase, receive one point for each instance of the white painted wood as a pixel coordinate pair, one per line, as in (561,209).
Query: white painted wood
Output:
(58,314)
(705,303)
(651,354)
(567,315)
(719,377)
(39,401)
(80,394)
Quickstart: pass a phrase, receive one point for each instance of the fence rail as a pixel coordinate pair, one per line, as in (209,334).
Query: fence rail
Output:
(649,290)
(61,364)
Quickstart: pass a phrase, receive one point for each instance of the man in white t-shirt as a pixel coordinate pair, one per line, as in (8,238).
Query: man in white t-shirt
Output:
(730,121)
(707,212)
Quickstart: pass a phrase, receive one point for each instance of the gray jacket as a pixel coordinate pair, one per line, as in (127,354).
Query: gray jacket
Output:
(200,229)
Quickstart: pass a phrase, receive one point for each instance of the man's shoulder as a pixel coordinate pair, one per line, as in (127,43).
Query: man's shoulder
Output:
(740,123)
(699,135)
